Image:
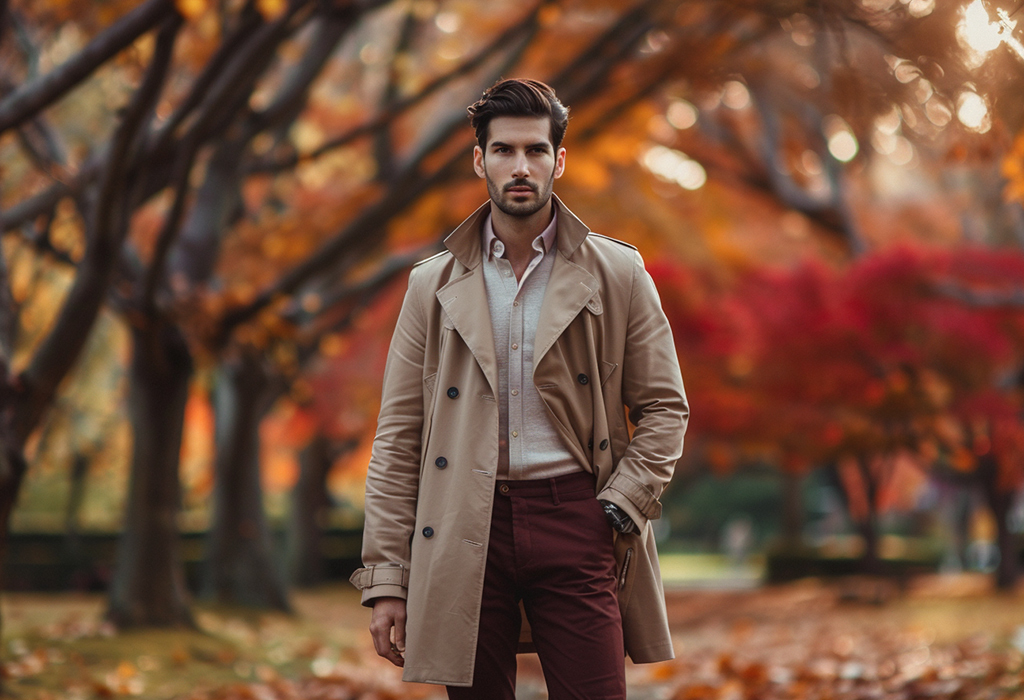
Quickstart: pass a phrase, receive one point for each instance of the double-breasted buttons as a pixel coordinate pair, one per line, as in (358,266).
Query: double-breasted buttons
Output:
(582,378)
(503,488)
(428,532)
(604,445)
(453,392)
(440,462)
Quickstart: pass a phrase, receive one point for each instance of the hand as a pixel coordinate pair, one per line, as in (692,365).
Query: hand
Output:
(388,614)
(618,519)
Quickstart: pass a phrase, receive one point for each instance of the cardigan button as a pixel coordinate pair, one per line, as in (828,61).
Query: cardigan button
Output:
(453,392)
(441,462)
(428,532)
(582,378)
(604,444)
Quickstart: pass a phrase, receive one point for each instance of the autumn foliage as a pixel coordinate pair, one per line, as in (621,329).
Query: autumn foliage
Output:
(906,358)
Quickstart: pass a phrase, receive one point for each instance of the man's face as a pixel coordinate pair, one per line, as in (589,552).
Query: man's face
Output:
(519,164)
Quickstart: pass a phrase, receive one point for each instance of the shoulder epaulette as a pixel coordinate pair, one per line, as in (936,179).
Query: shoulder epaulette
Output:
(435,255)
(613,240)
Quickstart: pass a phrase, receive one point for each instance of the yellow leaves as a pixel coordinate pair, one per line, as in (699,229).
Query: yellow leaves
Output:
(191,10)
(143,48)
(271,9)
(306,135)
(68,230)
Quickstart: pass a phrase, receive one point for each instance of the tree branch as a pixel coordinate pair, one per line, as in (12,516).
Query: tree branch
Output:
(400,107)
(4,17)
(361,233)
(172,225)
(370,285)
(249,20)
(291,99)
(364,232)
(61,347)
(383,143)
(35,96)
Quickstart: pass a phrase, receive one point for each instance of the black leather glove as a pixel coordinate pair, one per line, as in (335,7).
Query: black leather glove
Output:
(618,519)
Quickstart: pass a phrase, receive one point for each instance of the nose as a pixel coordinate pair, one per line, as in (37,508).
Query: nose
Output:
(520,167)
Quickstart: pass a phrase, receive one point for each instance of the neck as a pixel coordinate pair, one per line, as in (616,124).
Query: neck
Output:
(519,232)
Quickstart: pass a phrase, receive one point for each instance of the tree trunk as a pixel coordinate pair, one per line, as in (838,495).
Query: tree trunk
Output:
(792,511)
(12,471)
(240,566)
(148,588)
(74,553)
(868,527)
(309,508)
(1000,500)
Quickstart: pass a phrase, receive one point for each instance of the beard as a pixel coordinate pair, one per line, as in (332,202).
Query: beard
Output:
(507,205)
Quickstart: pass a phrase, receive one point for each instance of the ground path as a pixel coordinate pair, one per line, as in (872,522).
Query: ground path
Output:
(937,637)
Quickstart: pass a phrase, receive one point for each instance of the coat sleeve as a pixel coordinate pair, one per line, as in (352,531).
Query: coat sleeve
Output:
(392,479)
(652,390)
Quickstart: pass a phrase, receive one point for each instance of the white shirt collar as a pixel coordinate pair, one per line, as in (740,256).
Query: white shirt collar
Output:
(542,243)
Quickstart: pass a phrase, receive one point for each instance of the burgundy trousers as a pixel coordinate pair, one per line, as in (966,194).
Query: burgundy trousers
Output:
(551,547)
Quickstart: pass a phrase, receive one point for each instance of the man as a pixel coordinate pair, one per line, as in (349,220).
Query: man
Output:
(503,477)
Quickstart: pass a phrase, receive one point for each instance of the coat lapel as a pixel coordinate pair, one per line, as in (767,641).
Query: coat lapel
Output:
(464,298)
(464,301)
(570,286)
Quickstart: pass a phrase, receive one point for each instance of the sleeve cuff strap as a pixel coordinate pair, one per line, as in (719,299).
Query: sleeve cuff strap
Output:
(637,494)
(381,575)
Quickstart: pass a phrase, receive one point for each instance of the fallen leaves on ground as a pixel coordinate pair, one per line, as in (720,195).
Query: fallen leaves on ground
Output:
(848,640)
(858,639)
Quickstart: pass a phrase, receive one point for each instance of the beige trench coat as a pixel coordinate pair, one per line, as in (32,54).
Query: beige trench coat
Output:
(602,343)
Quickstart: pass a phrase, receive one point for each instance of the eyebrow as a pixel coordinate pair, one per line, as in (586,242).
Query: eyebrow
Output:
(539,144)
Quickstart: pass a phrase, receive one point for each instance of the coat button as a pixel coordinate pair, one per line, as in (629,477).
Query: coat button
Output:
(428,532)
(582,378)
(441,462)
(604,444)
(503,488)
(453,393)
(590,444)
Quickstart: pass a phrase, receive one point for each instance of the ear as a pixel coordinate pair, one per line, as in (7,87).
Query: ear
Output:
(559,162)
(478,162)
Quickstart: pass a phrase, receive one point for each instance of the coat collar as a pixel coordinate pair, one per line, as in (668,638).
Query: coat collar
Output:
(465,241)
(464,298)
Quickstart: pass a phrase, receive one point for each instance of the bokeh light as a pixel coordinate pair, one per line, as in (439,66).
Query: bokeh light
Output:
(675,166)
(972,111)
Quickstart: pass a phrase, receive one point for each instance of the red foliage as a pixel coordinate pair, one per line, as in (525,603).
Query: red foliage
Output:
(906,351)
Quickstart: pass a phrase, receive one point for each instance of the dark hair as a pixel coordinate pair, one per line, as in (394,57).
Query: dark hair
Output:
(516,97)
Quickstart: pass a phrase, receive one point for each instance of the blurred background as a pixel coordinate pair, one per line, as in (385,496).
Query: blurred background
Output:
(209,209)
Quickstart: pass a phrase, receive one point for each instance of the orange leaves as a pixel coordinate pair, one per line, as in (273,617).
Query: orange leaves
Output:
(801,642)
(271,9)
(192,10)
(1013,171)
